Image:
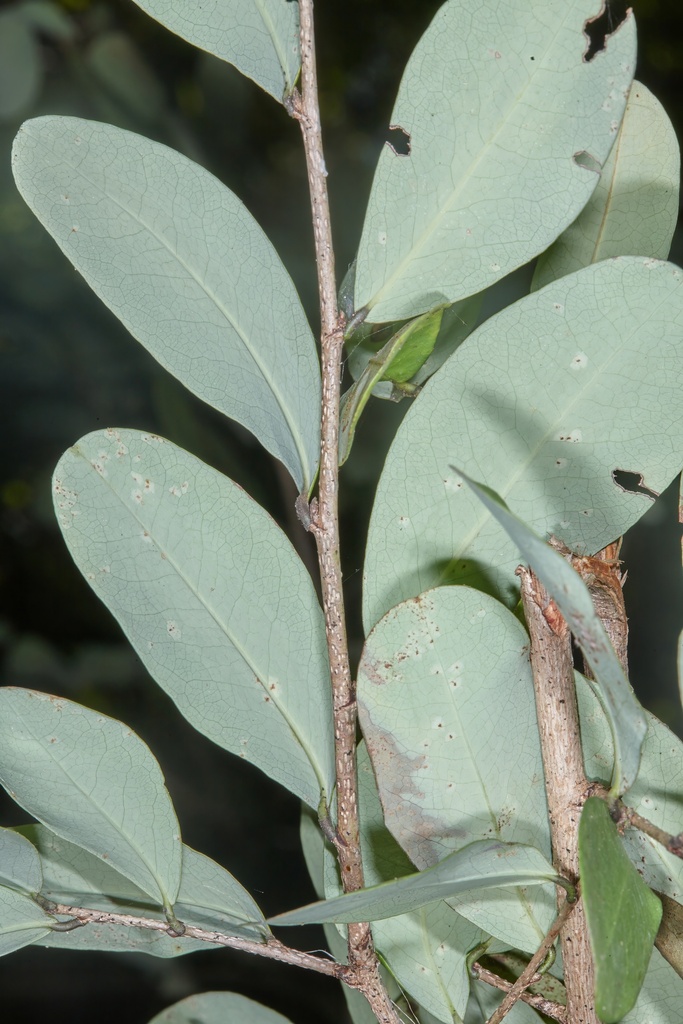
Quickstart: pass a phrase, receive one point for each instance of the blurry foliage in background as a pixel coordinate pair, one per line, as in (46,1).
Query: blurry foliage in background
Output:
(69,367)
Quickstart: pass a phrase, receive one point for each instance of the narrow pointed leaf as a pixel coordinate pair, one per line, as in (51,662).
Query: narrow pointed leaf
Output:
(622,913)
(486,864)
(634,209)
(21,921)
(19,863)
(218,1008)
(494,171)
(212,596)
(444,694)
(91,780)
(565,586)
(185,267)
(527,403)
(260,37)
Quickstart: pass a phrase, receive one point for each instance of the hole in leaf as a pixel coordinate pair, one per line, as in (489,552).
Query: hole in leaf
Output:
(587,160)
(398,140)
(598,29)
(632,483)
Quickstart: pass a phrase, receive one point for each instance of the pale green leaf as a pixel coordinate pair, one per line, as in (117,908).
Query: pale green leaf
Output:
(622,913)
(500,107)
(260,37)
(94,782)
(447,709)
(570,593)
(212,596)
(218,1008)
(485,864)
(659,1001)
(19,863)
(544,402)
(655,794)
(209,897)
(634,209)
(185,267)
(21,921)
(426,950)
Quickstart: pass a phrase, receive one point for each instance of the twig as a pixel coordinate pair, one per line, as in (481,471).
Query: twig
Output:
(529,973)
(565,781)
(674,844)
(272,948)
(551,1009)
(325,525)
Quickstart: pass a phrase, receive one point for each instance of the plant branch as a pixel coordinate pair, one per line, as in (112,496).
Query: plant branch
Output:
(324,522)
(272,948)
(551,1009)
(626,815)
(530,972)
(565,781)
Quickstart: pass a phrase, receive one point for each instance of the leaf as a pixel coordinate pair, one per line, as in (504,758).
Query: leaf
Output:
(622,913)
(21,921)
(212,596)
(19,863)
(185,267)
(426,950)
(445,695)
(209,897)
(477,866)
(528,403)
(495,168)
(260,37)
(397,361)
(570,593)
(634,209)
(655,794)
(659,1001)
(485,1000)
(218,1008)
(91,780)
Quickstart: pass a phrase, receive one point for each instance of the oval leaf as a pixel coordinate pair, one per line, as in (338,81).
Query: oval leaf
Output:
(212,596)
(94,782)
(494,172)
(19,863)
(482,865)
(622,913)
(634,209)
(21,921)
(570,593)
(528,403)
(185,267)
(218,1008)
(444,694)
(260,37)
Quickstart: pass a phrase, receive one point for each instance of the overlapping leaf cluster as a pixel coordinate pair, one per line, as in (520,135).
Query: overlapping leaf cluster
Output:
(519,148)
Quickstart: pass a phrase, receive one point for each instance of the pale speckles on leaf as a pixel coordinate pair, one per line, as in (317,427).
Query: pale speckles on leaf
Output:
(178,489)
(579,361)
(570,436)
(173,630)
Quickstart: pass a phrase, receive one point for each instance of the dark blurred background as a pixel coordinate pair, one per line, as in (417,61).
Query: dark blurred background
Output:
(68,367)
